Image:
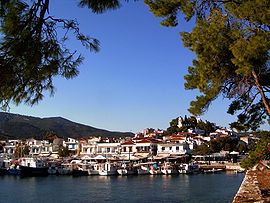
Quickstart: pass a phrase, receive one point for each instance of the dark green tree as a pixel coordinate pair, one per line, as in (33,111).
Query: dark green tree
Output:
(202,149)
(33,48)
(63,151)
(173,126)
(231,40)
(260,152)
(206,126)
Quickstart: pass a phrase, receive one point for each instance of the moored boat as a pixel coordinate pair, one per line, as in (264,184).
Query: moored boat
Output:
(188,169)
(213,170)
(94,169)
(30,166)
(168,169)
(126,169)
(155,169)
(108,169)
(64,169)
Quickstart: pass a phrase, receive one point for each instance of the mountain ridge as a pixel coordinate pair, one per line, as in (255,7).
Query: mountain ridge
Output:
(16,126)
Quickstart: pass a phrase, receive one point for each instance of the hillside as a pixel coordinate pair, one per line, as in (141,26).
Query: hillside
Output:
(20,126)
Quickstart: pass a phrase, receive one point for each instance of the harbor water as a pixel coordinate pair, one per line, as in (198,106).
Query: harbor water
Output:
(201,188)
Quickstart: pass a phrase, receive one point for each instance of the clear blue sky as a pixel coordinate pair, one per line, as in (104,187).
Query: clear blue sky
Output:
(134,82)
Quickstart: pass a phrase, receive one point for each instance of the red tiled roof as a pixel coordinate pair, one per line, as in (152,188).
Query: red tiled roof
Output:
(129,142)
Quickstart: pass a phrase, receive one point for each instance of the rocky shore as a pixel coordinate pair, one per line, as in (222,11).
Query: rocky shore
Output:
(255,186)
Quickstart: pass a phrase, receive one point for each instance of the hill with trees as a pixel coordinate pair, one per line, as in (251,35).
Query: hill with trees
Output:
(19,126)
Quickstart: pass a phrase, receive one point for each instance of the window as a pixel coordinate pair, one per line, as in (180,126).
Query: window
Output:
(162,148)
(170,148)
(177,148)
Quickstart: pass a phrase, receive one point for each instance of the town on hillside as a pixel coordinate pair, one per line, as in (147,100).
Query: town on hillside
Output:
(208,149)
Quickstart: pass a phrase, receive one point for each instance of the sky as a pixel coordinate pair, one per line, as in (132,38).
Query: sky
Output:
(136,81)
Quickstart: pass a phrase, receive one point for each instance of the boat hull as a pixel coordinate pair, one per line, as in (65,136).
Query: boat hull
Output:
(124,172)
(31,171)
(142,171)
(3,171)
(107,173)
(76,172)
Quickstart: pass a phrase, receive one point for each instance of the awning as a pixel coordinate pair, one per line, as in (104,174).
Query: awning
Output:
(99,157)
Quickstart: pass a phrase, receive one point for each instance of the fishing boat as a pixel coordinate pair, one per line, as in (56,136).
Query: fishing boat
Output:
(4,165)
(94,169)
(143,168)
(155,169)
(65,169)
(168,168)
(30,166)
(108,169)
(53,168)
(213,170)
(14,168)
(80,169)
(126,169)
(188,169)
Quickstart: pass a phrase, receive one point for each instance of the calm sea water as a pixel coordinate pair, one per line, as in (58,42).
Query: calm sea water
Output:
(202,188)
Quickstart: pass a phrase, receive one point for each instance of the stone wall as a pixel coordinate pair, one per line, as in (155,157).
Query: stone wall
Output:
(255,186)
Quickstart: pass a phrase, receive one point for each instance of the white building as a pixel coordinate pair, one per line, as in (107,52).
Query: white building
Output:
(173,148)
(71,144)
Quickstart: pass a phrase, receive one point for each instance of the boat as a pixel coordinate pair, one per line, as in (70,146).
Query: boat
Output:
(64,169)
(30,166)
(155,169)
(126,169)
(94,169)
(80,169)
(3,171)
(53,168)
(143,168)
(213,170)
(169,169)
(107,169)
(188,169)
(4,165)
(14,168)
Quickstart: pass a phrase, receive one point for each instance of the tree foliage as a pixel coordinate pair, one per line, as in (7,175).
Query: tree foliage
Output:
(63,151)
(231,40)
(21,150)
(33,48)
(189,122)
(260,152)
(219,144)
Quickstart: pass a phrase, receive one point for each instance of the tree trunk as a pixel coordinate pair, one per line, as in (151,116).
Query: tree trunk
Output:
(264,98)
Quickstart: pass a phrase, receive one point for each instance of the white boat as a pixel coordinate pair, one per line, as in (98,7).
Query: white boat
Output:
(188,169)
(144,168)
(168,169)
(94,169)
(213,170)
(126,169)
(155,170)
(108,169)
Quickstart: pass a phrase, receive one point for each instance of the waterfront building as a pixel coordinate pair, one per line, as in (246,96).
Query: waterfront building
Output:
(10,146)
(108,149)
(71,144)
(173,148)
